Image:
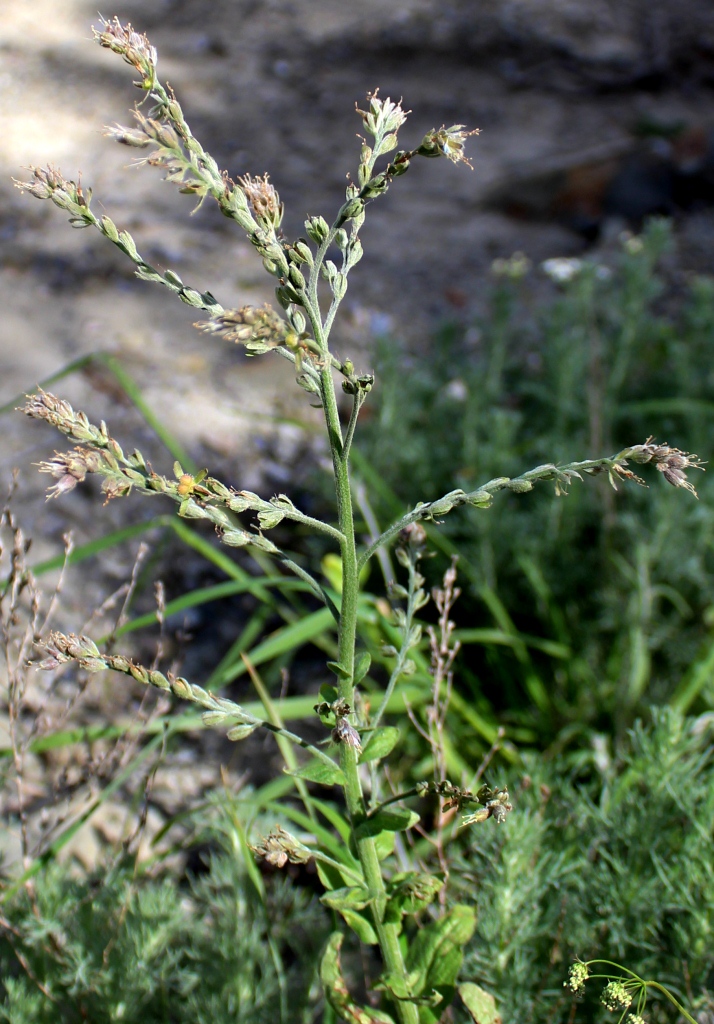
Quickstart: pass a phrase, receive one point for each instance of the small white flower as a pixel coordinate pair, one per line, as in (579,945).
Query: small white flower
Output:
(562,269)
(457,390)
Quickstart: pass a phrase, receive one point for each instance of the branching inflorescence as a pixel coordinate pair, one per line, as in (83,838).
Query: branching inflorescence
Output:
(372,898)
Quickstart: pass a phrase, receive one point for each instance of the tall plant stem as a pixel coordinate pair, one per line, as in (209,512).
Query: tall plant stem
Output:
(366,848)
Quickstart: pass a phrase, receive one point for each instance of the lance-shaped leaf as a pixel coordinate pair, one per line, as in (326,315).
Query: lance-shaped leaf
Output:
(320,772)
(336,991)
(435,957)
(349,901)
(380,743)
(397,819)
(361,926)
(353,897)
(480,1004)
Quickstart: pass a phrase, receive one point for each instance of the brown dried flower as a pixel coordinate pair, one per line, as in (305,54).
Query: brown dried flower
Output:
(347,734)
(448,142)
(264,199)
(671,462)
(280,846)
(133,46)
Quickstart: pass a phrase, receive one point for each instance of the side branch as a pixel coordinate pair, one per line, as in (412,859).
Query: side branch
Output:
(671,462)
(198,497)
(49,183)
(62,648)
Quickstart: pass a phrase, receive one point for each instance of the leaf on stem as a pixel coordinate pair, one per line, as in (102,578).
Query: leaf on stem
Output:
(388,820)
(380,743)
(480,1004)
(337,993)
(436,955)
(321,773)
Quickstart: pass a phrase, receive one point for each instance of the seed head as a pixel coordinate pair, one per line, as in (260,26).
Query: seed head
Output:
(578,974)
(671,462)
(258,329)
(264,199)
(448,142)
(132,137)
(615,996)
(62,648)
(134,47)
(280,846)
(383,117)
(69,469)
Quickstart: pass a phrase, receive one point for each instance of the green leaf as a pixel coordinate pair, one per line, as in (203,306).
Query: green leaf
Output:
(384,844)
(339,670)
(399,986)
(328,693)
(329,876)
(282,641)
(444,969)
(320,772)
(336,991)
(437,950)
(361,926)
(337,820)
(480,1004)
(353,897)
(380,743)
(331,566)
(362,665)
(409,893)
(392,820)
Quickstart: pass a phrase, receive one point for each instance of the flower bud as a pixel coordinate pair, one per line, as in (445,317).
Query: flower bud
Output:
(296,277)
(317,229)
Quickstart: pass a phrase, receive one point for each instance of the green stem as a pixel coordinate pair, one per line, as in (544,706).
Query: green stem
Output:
(665,992)
(366,849)
(393,800)
(350,432)
(387,934)
(518,484)
(404,649)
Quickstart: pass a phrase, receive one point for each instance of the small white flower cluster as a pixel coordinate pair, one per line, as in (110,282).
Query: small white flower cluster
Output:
(562,269)
(578,974)
(615,996)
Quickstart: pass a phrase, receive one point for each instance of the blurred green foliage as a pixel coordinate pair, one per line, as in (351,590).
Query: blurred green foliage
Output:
(618,868)
(617,865)
(125,946)
(620,581)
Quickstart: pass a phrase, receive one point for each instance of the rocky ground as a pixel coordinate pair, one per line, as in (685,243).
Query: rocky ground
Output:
(593,113)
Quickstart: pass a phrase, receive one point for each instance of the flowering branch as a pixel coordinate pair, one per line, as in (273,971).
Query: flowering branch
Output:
(671,462)
(62,648)
(621,989)
(198,497)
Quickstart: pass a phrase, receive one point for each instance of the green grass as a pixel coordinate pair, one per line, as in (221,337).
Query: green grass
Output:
(617,587)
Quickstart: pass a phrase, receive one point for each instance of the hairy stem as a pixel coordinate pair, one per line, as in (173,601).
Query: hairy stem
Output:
(366,848)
